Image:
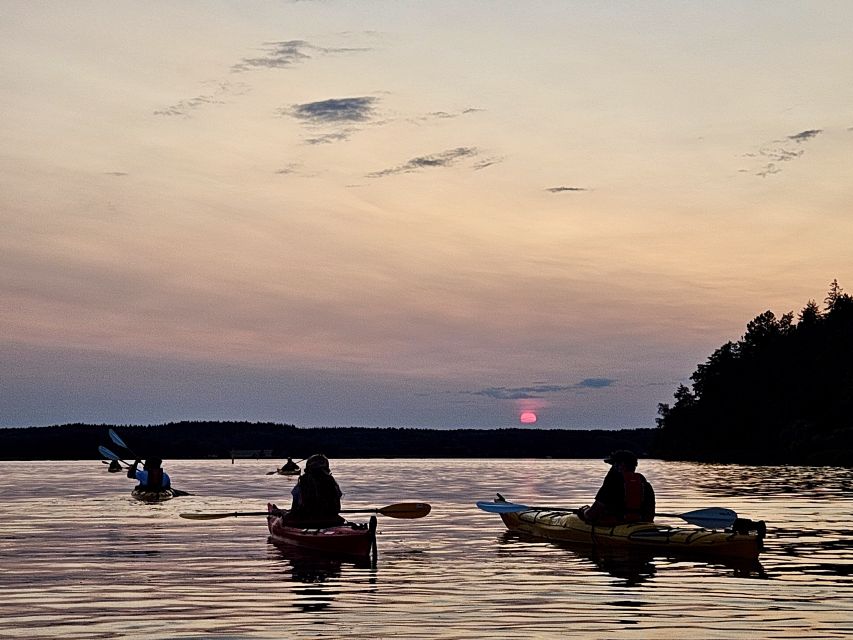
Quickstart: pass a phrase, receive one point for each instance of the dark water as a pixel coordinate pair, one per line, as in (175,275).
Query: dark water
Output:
(80,559)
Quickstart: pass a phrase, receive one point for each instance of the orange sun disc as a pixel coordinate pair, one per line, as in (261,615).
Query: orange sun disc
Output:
(527,417)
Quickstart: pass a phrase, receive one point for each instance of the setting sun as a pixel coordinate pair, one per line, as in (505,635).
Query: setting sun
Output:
(527,417)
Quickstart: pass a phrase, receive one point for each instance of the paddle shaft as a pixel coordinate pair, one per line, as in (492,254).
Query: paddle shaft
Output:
(405,510)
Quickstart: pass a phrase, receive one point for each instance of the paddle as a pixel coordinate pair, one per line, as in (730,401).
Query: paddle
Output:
(710,518)
(114,437)
(112,456)
(405,510)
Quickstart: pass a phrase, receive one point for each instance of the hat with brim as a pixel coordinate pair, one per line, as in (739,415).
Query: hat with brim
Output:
(622,456)
(317,462)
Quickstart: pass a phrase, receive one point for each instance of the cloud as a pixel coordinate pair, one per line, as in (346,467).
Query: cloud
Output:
(537,391)
(595,383)
(221,90)
(563,189)
(333,110)
(775,152)
(443,159)
(486,162)
(117,174)
(328,138)
(802,136)
(284,54)
(288,169)
(445,115)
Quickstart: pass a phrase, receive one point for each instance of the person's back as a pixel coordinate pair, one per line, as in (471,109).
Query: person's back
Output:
(152,477)
(624,496)
(316,496)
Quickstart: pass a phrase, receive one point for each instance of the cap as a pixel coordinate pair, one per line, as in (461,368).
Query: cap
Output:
(622,456)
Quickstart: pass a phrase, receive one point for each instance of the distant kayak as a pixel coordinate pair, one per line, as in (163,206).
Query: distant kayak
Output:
(565,526)
(148,495)
(350,539)
(288,472)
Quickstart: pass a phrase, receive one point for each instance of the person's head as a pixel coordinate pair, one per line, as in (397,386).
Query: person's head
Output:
(153,463)
(627,459)
(318,463)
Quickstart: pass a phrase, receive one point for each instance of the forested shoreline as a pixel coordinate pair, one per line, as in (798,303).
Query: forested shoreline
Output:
(782,394)
(193,440)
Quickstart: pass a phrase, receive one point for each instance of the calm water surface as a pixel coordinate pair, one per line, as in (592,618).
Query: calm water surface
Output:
(80,559)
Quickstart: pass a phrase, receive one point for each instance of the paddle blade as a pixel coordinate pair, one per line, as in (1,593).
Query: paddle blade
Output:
(502,507)
(406,510)
(217,516)
(114,437)
(710,518)
(107,453)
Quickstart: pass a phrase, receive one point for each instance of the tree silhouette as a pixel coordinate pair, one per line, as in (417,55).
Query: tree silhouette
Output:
(782,394)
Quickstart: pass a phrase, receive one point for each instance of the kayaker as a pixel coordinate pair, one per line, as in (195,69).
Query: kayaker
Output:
(624,496)
(316,496)
(152,477)
(290,466)
(114,467)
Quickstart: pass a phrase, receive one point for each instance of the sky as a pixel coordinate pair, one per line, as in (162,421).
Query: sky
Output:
(410,214)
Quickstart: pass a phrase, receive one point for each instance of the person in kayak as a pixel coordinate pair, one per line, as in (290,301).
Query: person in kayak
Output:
(152,477)
(316,497)
(624,496)
(290,466)
(114,466)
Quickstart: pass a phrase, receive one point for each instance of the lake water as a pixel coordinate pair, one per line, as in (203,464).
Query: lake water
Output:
(80,559)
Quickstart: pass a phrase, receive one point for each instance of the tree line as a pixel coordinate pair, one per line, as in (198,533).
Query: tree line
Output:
(194,440)
(782,394)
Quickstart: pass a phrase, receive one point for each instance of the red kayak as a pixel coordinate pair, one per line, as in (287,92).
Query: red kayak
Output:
(348,539)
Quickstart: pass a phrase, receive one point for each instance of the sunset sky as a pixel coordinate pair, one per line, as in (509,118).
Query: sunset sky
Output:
(425,214)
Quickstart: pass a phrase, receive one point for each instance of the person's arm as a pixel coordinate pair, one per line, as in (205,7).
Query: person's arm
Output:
(132,471)
(649,506)
(296,492)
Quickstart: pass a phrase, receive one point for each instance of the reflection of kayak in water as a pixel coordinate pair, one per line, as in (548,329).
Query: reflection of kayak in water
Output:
(152,495)
(348,539)
(567,527)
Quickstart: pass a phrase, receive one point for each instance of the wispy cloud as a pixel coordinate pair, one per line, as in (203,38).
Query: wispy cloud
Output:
(486,162)
(333,110)
(329,138)
(117,174)
(222,90)
(564,189)
(443,159)
(540,390)
(444,115)
(776,152)
(284,54)
(289,169)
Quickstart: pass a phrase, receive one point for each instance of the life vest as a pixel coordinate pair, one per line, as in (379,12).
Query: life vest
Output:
(155,479)
(319,495)
(635,489)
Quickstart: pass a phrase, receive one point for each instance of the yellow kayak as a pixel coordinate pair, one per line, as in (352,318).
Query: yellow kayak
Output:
(565,526)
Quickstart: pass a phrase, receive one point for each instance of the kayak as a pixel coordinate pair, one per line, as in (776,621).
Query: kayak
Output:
(288,472)
(565,526)
(348,539)
(149,495)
